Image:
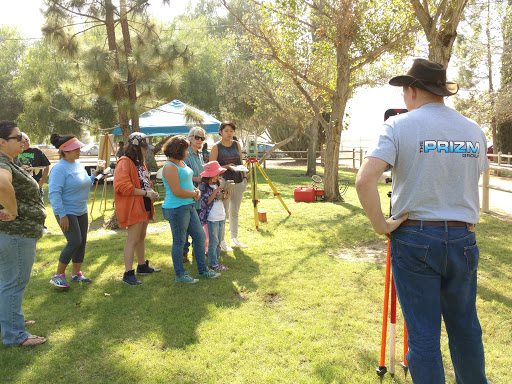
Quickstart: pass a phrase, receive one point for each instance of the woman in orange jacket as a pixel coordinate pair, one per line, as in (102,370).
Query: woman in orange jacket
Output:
(134,197)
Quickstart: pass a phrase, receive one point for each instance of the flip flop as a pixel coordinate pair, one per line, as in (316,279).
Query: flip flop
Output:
(33,340)
(30,322)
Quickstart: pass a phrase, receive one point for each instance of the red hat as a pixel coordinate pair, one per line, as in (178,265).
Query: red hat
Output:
(212,168)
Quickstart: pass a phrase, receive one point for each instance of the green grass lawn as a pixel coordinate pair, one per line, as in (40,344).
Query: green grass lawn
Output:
(302,304)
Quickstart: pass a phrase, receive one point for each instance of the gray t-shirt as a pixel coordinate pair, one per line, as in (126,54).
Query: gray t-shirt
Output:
(437,157)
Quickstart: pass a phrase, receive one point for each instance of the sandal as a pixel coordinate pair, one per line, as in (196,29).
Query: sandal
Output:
(32,341)
(30,322)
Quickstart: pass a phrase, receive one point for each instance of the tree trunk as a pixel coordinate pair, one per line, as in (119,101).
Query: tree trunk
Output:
(150,157)
(491,85)
(441,27)
(131,79)
(313,144)
(119,93)
(333,133)
(440,47)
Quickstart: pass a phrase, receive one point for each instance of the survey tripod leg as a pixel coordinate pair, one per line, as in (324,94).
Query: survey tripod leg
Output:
(273,188)
(252,164)
(254,192)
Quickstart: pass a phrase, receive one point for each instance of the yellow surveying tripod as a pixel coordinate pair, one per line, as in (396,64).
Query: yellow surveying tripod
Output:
(251,165)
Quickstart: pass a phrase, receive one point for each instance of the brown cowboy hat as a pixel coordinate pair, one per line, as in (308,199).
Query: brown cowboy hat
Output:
(429,76)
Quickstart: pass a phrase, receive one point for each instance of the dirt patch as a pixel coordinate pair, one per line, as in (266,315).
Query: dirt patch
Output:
(272,298)
(369,252)
(242,294)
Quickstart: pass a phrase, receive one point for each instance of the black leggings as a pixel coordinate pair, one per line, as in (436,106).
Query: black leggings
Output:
(76,237)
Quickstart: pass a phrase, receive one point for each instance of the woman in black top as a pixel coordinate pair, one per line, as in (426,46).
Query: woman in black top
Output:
(228,152)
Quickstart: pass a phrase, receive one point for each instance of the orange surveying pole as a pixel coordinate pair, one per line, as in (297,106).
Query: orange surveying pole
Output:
(381,371)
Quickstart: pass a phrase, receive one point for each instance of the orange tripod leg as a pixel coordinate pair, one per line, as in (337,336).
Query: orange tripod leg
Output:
(381,371)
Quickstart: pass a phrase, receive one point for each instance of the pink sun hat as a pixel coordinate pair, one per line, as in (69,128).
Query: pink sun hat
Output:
(71,144)
(212,168)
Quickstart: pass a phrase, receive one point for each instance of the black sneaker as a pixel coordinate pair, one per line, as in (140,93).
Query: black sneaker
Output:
(130,279)
(145,269)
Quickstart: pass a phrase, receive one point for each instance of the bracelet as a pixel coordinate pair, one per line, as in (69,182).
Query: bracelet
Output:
(245,177)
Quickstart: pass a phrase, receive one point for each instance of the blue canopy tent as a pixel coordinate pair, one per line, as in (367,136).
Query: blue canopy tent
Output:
(169,119)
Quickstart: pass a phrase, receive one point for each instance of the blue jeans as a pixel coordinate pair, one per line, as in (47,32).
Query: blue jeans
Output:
(187,243)
(17,256)
(435,273)
(215,232)
(184,220)
(76,236)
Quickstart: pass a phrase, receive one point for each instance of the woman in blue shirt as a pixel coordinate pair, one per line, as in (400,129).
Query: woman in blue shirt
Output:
(179,209)
(68,190)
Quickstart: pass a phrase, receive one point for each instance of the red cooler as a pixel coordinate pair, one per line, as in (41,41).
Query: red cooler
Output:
(304,194)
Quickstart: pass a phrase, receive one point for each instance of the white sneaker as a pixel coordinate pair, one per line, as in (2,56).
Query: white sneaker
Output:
(237,244)
(224,247)
(46,231)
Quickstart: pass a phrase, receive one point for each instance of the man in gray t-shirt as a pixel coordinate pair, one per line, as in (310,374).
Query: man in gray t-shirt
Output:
(436,156)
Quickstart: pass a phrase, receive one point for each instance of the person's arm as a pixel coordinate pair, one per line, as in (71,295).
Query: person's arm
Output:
(241,159)
(366,186)
(227,195)
(214,154)
(170,174)
(7,197)
(214,194)
(46,171)
(207,195)
(55,188)
(43,162)
(123,182)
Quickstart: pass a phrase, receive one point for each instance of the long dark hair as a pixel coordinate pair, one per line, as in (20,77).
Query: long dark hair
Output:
(6,128)
(134,153)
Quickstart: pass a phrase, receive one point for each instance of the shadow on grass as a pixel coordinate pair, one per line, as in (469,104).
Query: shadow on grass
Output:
(110,318)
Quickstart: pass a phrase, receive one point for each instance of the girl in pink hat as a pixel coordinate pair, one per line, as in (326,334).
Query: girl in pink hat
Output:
(212,211)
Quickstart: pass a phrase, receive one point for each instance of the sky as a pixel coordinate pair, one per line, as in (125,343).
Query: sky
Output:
(366,109)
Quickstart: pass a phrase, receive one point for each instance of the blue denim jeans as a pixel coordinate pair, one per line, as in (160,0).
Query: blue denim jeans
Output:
(435,273)
(184,220)
(17,256)
(215,232)
(76,236)
(187,243)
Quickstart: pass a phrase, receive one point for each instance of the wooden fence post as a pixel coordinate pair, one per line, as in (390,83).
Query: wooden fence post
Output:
(360,157)
(499,163)
(353,158)
(485,191)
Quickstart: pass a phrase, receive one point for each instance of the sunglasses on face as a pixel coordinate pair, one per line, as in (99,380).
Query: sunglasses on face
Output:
(18,137)
(199,138)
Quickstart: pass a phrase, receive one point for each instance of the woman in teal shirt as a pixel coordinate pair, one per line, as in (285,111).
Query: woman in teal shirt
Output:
(179,209)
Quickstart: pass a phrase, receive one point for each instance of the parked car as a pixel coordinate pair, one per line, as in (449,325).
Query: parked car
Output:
(90,150)
(264,148)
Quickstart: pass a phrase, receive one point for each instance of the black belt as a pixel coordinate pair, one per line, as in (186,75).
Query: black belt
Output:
(426,223)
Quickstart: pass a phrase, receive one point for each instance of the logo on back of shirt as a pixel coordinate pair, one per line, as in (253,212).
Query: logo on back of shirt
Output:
(465,148)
